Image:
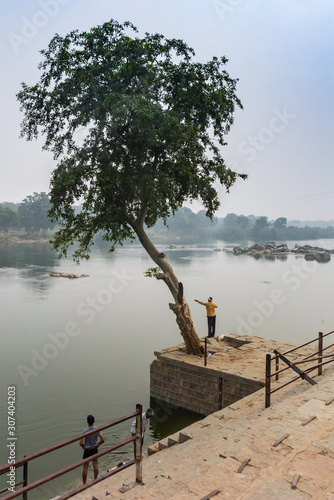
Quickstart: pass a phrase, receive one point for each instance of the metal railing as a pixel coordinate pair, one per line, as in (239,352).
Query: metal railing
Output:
(23,462)
(317,356)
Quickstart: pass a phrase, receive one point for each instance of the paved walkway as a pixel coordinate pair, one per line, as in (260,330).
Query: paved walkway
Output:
(207,455)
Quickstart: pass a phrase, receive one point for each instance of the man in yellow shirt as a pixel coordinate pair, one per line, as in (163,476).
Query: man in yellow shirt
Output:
(211,315)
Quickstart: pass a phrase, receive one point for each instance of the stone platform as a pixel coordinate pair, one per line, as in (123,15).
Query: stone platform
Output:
(235,368)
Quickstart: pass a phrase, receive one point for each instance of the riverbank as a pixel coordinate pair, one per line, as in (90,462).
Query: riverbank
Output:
(243,452)
(16,240)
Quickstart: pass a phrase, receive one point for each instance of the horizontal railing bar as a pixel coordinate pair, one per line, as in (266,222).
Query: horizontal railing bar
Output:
(287,383)
(303,345)
(328,347)
(83,487)
(299,346)
(308,370)
(17,484)
(314,353)
(69,468)
(38,454)
(280,371)
(329,333)
(314,367)
(304,361)
(287,367)
(315,359)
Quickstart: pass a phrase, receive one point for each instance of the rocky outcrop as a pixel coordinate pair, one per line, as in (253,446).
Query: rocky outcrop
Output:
(70,276)
(271,249)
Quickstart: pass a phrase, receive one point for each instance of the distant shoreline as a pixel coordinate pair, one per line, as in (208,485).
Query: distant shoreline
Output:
(9,241)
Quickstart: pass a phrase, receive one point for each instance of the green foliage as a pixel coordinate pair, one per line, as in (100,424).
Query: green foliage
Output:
(230,220)
(261,230)
(136,126)
(243,222)
(152,272)
(8,219)
(280,223)
(33,212)
(260,227)
(184,225)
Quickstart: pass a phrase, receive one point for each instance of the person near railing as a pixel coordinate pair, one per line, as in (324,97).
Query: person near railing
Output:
(145,420)
(90,445)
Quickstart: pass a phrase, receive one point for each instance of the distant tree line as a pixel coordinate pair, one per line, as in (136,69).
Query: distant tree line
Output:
(31,215)
(189,227)
(260,229)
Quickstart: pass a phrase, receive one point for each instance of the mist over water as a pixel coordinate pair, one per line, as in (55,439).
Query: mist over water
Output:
(74,347)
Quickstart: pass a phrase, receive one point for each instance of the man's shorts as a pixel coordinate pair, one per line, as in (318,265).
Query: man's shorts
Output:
(89,452)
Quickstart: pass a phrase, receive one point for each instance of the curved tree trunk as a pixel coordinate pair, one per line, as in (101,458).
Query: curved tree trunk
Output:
(180,307)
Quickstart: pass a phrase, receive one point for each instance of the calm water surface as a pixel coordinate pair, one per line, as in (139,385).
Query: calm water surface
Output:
(74,347)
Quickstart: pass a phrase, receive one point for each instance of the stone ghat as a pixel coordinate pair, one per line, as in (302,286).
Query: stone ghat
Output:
(235,368)
(243,452)
(271,249)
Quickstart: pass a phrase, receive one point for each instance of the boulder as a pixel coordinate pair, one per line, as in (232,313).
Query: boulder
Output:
(238,251)
(256,247)
(270,245)
(318,256)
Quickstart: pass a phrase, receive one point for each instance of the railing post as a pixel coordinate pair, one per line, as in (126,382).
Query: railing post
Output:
(25,479)
(139,432)
(277,367)
(320,349)
(268,377)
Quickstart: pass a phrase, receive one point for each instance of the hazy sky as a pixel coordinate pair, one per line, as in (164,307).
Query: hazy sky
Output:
(282,51)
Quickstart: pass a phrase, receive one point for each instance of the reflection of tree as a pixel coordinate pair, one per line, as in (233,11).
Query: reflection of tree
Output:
(21,255)
(33,262)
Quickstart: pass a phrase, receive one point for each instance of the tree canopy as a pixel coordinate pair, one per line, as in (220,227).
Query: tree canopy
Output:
(137,127)
(33,212)
(8,219)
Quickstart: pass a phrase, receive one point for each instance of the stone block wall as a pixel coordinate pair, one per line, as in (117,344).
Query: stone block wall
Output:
(198,389)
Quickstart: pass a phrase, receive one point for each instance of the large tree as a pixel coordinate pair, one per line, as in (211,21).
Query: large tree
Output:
(136,127)
(34,213)
(8,219)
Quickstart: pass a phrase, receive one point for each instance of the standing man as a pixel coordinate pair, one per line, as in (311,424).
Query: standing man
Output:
(145,419)
(211,315)
(90,445)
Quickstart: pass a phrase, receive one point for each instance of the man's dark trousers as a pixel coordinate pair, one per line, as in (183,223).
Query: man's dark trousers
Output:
(211,326)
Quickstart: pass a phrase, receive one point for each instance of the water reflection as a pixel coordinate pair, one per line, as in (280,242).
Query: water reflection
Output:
(168,419)
(30,262)
(26,254)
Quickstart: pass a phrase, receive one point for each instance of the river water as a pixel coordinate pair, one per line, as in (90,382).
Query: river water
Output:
(74,347)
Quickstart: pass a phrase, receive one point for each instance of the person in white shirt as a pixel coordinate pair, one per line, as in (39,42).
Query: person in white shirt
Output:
(145,419)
